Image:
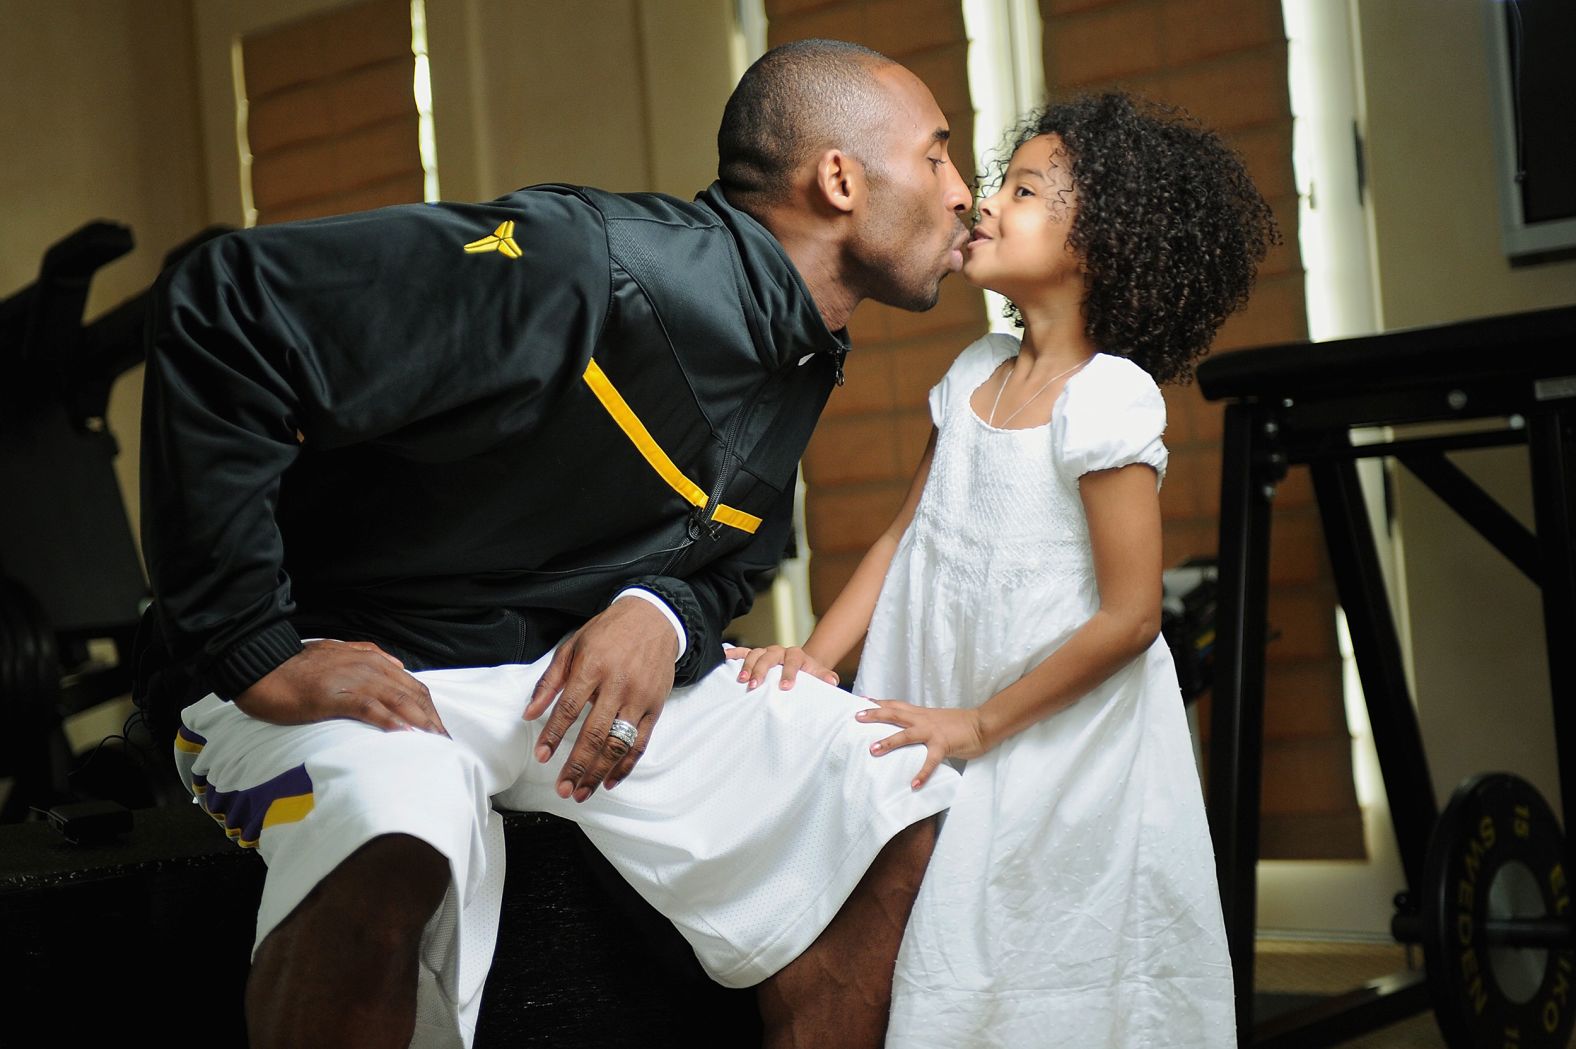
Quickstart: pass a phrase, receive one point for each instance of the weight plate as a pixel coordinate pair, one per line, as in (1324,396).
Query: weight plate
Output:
(1497,854)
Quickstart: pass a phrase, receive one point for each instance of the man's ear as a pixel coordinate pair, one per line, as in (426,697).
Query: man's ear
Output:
(840,180)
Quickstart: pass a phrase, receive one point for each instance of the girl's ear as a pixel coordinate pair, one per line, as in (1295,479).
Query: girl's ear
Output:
(840,180)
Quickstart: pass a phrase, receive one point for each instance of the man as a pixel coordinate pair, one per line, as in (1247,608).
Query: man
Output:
(450,436)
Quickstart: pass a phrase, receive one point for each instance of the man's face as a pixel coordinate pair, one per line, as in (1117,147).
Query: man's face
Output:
(912,232)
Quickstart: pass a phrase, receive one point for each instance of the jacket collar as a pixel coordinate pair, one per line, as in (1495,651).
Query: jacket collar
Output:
(788,323)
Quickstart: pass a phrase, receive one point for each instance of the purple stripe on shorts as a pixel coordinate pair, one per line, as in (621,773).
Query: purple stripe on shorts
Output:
(243,811)
(191,737)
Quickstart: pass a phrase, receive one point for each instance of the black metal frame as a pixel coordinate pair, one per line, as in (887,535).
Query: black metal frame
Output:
(1294,406)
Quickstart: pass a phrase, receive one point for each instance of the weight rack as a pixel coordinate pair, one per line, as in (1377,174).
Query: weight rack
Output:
(1514,379)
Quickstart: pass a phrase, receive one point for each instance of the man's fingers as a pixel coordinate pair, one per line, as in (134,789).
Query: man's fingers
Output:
(573,695)
(409,699)
(565,712)
(593,755)
(551,682)
(367,646)
(626,764)
(367,707)
(382,695)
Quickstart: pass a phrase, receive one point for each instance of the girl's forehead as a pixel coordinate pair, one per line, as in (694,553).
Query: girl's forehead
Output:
(1044,157)
(1041,153)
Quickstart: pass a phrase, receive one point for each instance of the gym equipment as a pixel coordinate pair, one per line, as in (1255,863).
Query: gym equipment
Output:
(1513,379)
(69,572)
(1495,920)
(1187,622)
(155,929)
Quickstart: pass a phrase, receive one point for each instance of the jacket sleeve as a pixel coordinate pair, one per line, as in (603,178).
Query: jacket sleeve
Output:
(707,601)
(379,326)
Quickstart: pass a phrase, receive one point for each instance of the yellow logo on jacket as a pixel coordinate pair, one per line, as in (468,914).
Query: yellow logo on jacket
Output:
(500,240)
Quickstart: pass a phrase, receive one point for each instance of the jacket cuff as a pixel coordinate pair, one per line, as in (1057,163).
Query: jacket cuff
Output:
(662,606)
(246,663)
(681,599)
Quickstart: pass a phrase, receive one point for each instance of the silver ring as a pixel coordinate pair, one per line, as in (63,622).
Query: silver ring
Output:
(623,731)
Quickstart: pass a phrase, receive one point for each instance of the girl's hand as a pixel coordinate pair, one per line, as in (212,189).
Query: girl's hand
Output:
(945,732)
(757,661)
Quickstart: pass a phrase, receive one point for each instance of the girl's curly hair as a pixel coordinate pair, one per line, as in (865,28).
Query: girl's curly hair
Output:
(1169,226)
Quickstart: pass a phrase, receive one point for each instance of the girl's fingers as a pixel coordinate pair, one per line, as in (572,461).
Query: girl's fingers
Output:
(791,667)
(753,664)
(882,715)
(760,665)
(932,761)
(892,742)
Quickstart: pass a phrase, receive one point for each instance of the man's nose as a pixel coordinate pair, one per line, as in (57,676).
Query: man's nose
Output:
(958,196)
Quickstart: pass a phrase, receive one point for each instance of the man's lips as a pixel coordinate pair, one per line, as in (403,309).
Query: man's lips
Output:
(955,252)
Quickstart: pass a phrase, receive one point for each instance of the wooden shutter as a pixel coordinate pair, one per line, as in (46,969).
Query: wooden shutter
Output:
(1225,61)
(881,411)
(331,113)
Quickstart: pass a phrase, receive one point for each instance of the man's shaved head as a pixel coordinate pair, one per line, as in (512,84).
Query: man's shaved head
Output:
(794,102)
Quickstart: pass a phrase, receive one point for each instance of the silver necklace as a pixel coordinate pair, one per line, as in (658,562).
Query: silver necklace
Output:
(1010,369)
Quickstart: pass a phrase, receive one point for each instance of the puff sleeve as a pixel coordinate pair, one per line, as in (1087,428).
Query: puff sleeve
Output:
(968,370)
(1113,416)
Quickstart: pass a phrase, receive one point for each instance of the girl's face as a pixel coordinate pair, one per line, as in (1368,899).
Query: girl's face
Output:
(1019,247)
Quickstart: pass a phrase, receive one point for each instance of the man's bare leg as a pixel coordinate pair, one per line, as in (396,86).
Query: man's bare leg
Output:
(837,993)
(340,971)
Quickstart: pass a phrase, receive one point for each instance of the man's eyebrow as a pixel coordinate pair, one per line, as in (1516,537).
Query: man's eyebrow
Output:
(941,134)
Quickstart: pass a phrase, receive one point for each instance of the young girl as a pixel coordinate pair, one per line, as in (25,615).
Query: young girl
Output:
(1013,606)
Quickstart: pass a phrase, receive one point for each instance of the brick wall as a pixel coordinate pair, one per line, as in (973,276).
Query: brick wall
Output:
(331,122)
(870,439)
(1225,62)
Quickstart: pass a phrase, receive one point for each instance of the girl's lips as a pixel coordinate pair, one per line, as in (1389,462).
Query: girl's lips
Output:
(978,236)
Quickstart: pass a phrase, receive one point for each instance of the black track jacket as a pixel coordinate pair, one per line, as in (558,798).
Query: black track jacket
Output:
(459,430)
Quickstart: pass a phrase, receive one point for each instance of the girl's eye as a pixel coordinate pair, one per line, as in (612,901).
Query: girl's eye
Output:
(1022,191)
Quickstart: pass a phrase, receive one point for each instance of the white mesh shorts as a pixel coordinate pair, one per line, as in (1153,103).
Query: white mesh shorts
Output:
(748,822)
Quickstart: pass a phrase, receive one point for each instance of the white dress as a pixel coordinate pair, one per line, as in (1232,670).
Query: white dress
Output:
(1072,899)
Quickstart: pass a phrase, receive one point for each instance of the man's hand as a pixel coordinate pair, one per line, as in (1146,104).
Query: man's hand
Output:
(620,662)
(338,679)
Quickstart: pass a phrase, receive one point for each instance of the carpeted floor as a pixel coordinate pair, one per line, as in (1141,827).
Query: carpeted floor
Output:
(1325,967)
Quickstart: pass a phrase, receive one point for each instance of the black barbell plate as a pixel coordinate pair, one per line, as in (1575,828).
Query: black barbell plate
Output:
(1496,857)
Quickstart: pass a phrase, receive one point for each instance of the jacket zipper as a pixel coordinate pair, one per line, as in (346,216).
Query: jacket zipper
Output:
(699,519)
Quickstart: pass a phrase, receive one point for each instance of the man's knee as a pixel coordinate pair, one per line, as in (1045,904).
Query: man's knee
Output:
(342,965)
(378,901)
(901,864)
